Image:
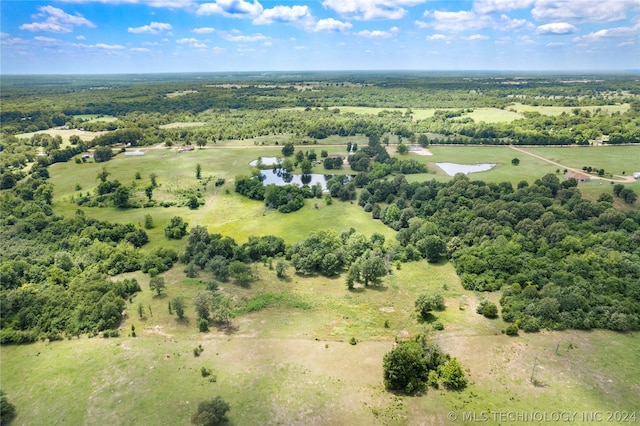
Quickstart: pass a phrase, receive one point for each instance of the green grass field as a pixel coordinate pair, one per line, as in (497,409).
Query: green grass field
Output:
(295,366)
(557,110)
(290,362)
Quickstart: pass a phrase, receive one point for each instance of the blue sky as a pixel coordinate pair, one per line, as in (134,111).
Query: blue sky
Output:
(140,36)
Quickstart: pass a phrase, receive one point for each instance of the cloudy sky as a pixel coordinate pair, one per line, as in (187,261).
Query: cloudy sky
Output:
(138,36)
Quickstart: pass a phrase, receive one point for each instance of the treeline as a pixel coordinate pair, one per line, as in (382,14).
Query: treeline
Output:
(562,261)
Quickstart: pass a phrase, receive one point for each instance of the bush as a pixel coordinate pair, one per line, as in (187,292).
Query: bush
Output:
(353,341)
(511,330)
(203,325)
(453,375)
(490,310)
(425,303)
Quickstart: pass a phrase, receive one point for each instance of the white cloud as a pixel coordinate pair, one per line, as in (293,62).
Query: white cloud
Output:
(152,28)
(556,28)
(203,30)
(503,40)
(583,10)
(285,14)
(46,39)
(489,6)
(139,49)
(56,21)
(81,37)
(187,40)
(231,8)
(611,33)
(478,37)
(378,33)
(242,38)
(470,20)
(421,24)
(437,37)
(171,4)
(108,46)
(371,9)
(299,47)
(331,24)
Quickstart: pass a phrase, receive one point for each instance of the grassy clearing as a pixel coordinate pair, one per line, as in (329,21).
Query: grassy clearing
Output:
(64,134)
(529,169)
(182,124)
(292,364)
(557,110)
(90,118)
(493,115)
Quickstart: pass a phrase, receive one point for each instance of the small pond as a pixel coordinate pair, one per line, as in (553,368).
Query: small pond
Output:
(281,178)
(452,168)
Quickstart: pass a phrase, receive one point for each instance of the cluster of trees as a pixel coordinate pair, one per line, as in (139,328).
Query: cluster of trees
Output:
(412,366)
(53,269)
(563,261)
(285,198)
(324,252)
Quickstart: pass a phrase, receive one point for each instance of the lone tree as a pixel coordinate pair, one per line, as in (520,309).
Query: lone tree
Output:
(515,161)
(198,171)
(178,306)
(157,284)
(211,413)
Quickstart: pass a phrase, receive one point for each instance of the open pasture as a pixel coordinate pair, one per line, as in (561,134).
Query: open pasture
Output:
(64,134)
(557,110)
(284,365)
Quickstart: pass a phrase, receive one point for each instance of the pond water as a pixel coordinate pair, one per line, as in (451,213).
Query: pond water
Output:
(452,168)
(281,178)
(266,161)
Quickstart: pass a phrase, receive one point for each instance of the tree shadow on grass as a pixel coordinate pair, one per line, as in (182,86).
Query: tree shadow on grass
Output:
(228,329)
(183,321)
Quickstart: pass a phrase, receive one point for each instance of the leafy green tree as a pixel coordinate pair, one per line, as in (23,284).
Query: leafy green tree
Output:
(452,374)
(148,191)
(202,304)
(490,310)
(515,161)
(211,413)
(404,368)
(628,195)
(402,149)
(288,149)
(102,154)
(434,246)
(198,171)
(148,221)
(176,229)
(157,284)
(222,309)
(370,266)
(306,166)
(154,180)
(103,175)
(423,140)
(281,269)
(241,272)
(178,304)
(427,302)
(121,197)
